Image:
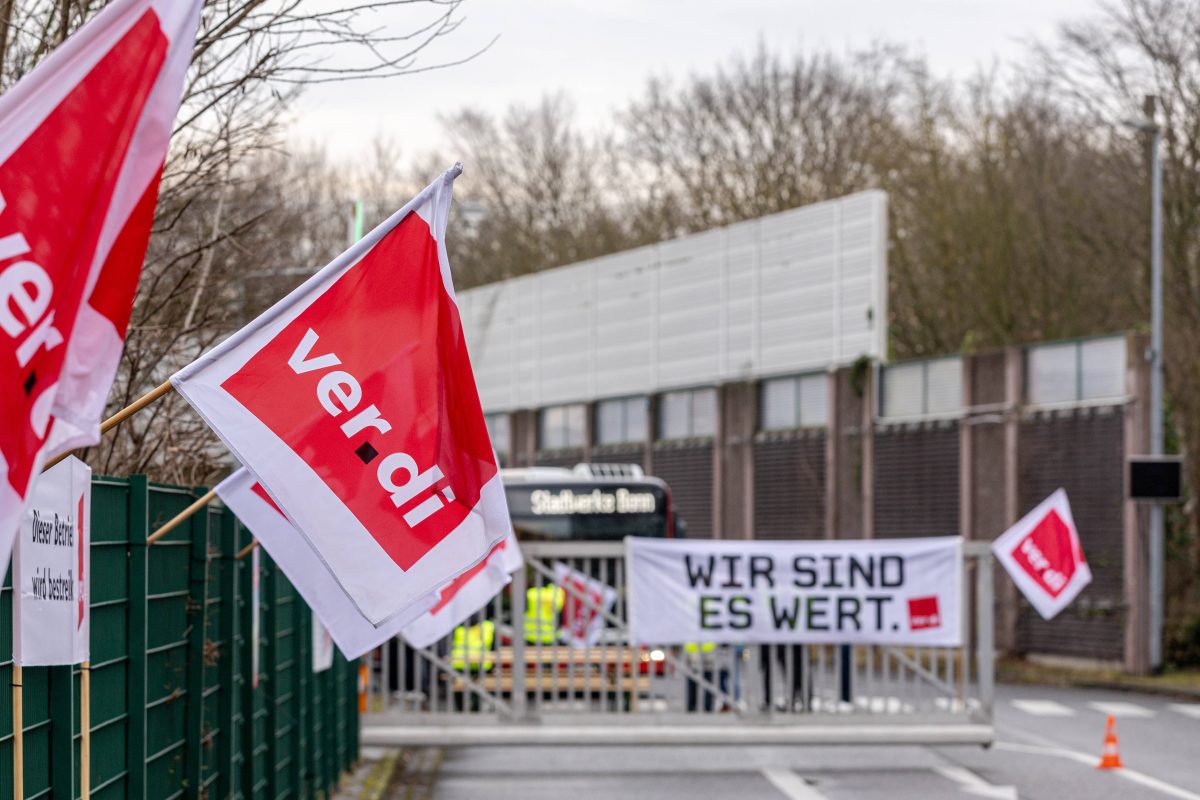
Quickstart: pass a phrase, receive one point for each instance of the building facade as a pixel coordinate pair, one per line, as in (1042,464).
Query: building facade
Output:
(761,437)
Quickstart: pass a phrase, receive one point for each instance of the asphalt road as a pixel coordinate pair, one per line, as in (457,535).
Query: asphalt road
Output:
(1048,743)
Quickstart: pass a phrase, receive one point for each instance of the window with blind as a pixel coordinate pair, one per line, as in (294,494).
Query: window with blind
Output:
(799,401)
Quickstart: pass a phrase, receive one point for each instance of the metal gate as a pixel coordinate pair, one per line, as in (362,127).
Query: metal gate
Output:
(513,691)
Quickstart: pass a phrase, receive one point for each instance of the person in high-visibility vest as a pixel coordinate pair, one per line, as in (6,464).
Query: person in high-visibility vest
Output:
(701,658)
(543,605)
(472,647)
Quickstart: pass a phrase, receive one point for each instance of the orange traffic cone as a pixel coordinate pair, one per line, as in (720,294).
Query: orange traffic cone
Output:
(1110,757)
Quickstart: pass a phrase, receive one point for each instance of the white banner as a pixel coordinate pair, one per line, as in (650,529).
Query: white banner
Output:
(1044,557)
(585,602)
(353,633)
(898,591)
(51,612)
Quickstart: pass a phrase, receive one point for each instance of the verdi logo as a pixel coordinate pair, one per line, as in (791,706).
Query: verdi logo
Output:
(339,392)
(366,387)
(1045,553)
(923,613)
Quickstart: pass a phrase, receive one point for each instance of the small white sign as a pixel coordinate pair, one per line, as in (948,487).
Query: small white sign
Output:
(51,609)
(322,646)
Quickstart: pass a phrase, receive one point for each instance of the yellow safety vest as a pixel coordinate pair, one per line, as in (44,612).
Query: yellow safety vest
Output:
(542,608)
(472,647)
(699,653)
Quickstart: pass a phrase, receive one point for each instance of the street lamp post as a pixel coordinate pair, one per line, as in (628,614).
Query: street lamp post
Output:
(1157,535)
(1155,356)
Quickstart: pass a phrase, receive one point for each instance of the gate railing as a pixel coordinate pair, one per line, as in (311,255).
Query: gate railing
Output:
(514,690)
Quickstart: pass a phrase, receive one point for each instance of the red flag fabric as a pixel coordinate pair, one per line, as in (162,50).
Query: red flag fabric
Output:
(353,402)
(82,142)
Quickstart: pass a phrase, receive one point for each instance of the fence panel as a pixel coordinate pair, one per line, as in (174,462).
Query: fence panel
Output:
(524,685)
(176,711)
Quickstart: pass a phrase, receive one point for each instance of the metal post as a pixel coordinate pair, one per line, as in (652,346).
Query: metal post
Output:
(519,667)
(985,651)
(845,659)
(1157,546)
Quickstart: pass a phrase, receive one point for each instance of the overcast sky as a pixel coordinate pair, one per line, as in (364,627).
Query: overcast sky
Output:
(600,52)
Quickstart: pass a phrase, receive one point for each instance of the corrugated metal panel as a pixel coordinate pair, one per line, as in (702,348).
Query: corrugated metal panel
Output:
(1081,451)
(688,470)
(916,480)
(792,292)
(789,487)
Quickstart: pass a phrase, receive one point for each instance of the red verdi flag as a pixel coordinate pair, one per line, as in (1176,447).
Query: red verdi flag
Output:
(1043,555)
(82,143)
(353,402)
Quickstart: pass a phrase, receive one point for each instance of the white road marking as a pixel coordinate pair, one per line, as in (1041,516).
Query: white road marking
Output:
(973,784)
(1119,710)
(1043,708)
(1187,709)
(1083,758)
(791,784)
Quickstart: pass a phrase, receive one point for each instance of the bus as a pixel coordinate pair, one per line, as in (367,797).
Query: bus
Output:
(594,502)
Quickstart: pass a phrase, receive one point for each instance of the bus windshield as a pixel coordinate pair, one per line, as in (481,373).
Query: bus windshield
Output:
(594,510)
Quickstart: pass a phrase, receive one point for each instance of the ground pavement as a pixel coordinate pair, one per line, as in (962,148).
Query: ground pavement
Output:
(1048,742)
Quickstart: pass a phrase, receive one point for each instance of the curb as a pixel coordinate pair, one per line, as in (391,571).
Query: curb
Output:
(380,776)
(1173,692)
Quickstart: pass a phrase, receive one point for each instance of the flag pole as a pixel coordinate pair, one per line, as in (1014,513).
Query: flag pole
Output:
(18,735)
(175,521)
(122,415)
(245,551)
(85,730)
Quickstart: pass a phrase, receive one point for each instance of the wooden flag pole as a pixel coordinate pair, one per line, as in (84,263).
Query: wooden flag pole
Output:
(174,522)
(247,550)
(85,730)
(18,735)
(122,415)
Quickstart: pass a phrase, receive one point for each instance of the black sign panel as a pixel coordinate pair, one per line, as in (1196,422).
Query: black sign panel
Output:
(1156,478)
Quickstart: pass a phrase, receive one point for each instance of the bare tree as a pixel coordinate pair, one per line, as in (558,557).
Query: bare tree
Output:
(1103,67)
(232,207)
(535,195)
(763,134)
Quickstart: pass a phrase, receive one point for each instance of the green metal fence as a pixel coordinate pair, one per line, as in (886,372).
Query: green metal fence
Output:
(175,709)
